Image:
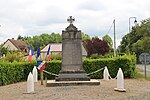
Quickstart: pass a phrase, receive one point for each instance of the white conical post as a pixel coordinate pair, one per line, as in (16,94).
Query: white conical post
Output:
(35,74)
(120,81)
(106,74)
(30,83)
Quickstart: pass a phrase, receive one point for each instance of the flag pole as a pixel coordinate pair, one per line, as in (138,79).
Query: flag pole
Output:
(41,71)
(41,75)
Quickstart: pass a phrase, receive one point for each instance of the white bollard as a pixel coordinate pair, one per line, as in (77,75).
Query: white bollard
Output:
(120,81)
(35,74)
(106,74)
(30,83)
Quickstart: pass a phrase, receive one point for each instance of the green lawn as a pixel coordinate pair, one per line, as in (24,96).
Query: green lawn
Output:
(140,75)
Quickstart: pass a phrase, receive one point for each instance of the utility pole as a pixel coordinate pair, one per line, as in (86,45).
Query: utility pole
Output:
(114,39)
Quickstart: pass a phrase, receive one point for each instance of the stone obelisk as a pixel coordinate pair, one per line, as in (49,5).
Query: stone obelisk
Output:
(72,69)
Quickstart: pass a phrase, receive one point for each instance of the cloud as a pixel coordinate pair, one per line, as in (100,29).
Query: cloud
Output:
(93,5)
(93,17)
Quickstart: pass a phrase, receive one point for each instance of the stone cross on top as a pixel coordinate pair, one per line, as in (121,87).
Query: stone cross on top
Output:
(70,19)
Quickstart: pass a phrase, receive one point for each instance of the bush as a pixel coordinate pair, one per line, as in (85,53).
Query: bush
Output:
(14,72)
(94,56)
(53,66)
(56,56)
(109,55)
(14,56)
(18,71)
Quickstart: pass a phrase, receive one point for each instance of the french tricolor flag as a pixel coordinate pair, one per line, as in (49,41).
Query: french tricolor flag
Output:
(42,65)
(48,54)
(31,53)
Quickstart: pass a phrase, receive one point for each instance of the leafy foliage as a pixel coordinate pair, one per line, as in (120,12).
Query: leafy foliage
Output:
(14,72)
(108,39)
(14,56)
(3,50)
(18,71)
(138,39)
(96,46)
(85,36)
(94,56)
(44,39)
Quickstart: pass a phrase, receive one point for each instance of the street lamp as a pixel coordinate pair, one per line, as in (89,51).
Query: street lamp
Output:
(135,22)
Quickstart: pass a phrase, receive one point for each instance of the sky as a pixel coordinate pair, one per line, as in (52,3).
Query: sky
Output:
(93,17)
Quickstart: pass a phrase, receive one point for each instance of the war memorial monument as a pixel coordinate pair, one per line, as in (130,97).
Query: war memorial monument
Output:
(72,72)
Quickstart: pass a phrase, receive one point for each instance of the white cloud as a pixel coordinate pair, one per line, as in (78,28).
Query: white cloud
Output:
(94,17)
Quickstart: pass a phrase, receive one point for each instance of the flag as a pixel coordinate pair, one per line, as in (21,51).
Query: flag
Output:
(48,54)
(41,65)
(31,53)
(38,52)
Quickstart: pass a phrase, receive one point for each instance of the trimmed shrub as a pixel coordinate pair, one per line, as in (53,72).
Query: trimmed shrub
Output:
(53,66)
(18,71)
(14,72)
(126,63)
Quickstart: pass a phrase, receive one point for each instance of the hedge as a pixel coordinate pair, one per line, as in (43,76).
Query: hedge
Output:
(14,72)
(126,63)
(18,71)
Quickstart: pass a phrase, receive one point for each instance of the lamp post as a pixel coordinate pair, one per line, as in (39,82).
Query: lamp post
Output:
(135,22)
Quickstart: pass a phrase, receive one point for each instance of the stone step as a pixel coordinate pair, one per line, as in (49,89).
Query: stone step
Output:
(52,83)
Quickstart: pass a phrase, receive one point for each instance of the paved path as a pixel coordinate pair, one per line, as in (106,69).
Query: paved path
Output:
(143,68)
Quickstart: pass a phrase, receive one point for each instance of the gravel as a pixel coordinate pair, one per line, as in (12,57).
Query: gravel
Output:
(136,89)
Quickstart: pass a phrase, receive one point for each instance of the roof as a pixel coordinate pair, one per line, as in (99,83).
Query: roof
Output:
(18,44)
(58,48)
(53,47)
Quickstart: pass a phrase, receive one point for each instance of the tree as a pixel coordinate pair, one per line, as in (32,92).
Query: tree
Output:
(20,37)
(130,41)
(108,39)
(3,50)
(85,36)
(138,40)
(142,45)
(44,39)
(96,46)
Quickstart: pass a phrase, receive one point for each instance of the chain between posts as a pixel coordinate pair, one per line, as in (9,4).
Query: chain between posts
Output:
(87,74)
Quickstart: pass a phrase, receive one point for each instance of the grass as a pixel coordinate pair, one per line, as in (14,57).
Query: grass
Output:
(140,75)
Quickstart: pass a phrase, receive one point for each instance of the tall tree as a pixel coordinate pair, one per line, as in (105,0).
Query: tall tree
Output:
(20,37)
(108,39)
(44,39)
(85,36)
(138,39)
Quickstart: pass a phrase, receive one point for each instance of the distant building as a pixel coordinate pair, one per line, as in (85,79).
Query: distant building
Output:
(15,45)
(56,49)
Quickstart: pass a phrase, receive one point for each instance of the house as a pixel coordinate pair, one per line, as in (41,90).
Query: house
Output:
(57,49)
(15,45)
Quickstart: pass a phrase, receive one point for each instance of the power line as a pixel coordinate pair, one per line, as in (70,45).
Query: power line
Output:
(110,28)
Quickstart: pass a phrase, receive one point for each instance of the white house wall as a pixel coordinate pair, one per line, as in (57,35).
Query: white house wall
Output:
(9,45)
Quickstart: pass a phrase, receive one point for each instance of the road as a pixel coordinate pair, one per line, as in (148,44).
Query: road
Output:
(143,68)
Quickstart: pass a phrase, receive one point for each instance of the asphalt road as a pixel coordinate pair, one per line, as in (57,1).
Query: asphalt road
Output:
(143,68)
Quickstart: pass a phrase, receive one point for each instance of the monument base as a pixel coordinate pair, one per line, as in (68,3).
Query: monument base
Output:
(72,76)
(52,83)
